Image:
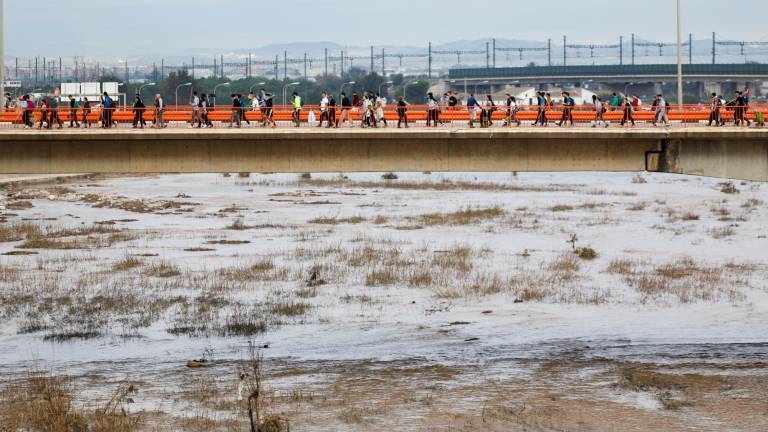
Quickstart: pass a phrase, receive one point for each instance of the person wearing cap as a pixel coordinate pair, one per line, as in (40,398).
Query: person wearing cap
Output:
(73,112)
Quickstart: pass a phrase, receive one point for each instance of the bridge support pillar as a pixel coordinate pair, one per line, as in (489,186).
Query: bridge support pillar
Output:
(712,87)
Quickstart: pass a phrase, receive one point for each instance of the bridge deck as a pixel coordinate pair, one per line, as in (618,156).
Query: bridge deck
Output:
(738,153)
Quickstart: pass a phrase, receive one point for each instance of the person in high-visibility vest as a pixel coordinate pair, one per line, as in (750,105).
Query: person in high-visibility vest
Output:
(297,104)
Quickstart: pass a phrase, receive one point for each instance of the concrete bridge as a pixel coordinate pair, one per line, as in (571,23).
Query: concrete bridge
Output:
(727,153)
(701,79)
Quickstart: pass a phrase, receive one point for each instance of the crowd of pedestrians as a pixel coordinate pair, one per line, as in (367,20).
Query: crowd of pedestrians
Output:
(368,110)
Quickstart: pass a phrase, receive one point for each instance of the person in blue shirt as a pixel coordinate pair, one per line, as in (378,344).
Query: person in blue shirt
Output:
(472,107)
(568,104)
(541,102)
(106,115)
(243,108)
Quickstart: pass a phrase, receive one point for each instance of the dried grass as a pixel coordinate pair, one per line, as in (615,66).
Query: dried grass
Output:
(465,216)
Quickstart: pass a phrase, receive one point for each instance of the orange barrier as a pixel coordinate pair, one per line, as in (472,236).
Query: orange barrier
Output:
(582,114)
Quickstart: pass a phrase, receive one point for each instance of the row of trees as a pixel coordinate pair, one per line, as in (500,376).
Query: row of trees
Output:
(310,89)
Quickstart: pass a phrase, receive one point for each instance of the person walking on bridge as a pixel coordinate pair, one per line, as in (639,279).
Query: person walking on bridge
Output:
(402,112)
(433,109)
(53,115)
(202,114)
(547,107)
(381,103)
(488,109)
(73,123)
(236,109)
(346,105)
(243,109)
(44,120)
(599,111)
(511,111)
(269,113)
(159,111)
(138,112)
(331,111)
(568,104)
(629,112)
(714,110)
(296,113)
(28,107)
(107,106)
(195,103)
(472,106)
(540,102)
(615,101)
(86,111)
(739,109)
(662,116)
(323,109)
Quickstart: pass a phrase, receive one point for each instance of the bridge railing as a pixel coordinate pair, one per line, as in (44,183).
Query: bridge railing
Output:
(415,114)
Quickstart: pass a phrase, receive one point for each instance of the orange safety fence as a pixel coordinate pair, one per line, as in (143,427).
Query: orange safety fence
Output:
(415,113)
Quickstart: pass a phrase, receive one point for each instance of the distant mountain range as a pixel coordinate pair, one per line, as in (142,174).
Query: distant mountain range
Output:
(459,53)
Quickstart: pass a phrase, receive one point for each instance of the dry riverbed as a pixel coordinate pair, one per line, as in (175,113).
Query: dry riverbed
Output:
(421,301)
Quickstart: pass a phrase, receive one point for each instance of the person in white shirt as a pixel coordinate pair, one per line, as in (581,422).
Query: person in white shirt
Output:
(381,103)
(159,108)
(195,102)
(323,109)
(599,111)
(661,111)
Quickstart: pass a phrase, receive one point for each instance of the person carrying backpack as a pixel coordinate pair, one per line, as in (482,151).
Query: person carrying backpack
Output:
(568,104)
(511,111)
(108,107)
(629,112)
(599,111)
(138,112)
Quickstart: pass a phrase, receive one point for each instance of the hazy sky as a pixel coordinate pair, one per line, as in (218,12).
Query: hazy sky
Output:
(132,27)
